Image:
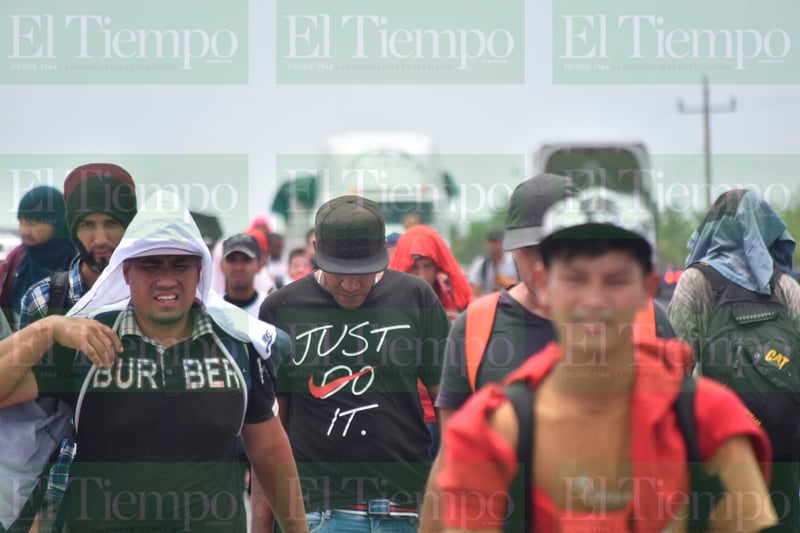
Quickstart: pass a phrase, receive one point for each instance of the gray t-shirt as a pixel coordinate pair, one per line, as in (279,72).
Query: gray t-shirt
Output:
(482,272)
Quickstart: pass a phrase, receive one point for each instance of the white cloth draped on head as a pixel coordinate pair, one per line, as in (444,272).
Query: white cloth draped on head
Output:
(163,223)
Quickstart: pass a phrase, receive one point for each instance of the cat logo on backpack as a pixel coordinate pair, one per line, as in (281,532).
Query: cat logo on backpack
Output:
(778,358)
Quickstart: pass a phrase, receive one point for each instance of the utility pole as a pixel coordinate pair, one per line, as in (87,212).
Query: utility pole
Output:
(706,110)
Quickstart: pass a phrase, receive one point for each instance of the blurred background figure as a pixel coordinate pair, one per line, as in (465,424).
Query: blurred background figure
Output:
(241,261)
(263,281)
(495,270)
(311,251)
(276,266)
(261,224)
(391,243)
(299,264)
(46,247)
(421,251)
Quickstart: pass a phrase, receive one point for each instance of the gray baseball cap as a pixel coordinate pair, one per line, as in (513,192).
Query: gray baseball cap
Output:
(246,244)
(599,213)
(527,206)
(351,236)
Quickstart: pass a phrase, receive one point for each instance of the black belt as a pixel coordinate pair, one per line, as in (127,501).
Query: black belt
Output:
(382,508)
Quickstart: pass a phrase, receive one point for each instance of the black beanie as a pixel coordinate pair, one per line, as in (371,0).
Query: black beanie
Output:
(44,204)
(99,188)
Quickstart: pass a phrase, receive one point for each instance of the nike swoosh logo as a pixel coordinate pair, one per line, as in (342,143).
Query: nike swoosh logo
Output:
(329,388)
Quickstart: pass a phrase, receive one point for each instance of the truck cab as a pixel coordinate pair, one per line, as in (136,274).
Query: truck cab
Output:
(620,166)
(401,171)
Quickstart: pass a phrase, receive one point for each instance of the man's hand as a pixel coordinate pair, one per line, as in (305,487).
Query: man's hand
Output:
(96,340)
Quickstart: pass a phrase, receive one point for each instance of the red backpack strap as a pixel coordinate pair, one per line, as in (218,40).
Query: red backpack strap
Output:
(7,273)
(480,319)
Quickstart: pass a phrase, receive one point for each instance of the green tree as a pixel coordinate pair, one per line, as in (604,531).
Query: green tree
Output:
(468,247)
(674,231)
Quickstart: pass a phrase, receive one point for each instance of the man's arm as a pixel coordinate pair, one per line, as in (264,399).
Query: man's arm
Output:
(275,473)
(262,518)
(22,350)
(688,308)
(746,506)
(431,505)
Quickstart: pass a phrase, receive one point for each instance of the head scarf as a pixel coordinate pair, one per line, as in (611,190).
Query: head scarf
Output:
(424,241)
(42,204)
(744,239)
(163,223)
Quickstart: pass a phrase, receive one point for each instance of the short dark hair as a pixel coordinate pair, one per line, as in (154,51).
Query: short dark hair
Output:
(495,235)
(297,251)
(567,249)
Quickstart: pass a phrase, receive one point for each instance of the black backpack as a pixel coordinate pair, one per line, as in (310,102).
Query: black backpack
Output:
(59,292)
(751,345)
(520,518)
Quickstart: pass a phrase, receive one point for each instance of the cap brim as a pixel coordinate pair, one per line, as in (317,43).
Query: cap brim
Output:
(336,265)
(522,237)
(246,251)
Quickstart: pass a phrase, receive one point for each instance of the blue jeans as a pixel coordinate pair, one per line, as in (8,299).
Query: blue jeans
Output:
(339,522)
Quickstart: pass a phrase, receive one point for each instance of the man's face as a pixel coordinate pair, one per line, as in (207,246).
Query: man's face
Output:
(528,261)
(495,247)
(35,232)
(275,248)
(349,291)
(239,270)
(425,268)
(99,234)
(162,287)
(594,300)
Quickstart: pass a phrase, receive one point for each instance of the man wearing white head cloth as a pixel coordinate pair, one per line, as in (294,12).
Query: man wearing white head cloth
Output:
(165,378)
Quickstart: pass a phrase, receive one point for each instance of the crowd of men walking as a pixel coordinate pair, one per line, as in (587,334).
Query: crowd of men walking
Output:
(373,386)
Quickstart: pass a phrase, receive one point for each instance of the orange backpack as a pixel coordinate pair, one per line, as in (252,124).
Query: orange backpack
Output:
(480,319)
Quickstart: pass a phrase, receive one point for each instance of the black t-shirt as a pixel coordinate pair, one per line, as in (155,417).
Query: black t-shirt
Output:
(355,419)
(516,334)
(156,440)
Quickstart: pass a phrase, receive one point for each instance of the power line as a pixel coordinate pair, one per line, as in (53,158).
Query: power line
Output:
(706,109)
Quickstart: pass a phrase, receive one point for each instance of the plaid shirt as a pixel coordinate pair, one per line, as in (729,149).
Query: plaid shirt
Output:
(129,326)
(36,300)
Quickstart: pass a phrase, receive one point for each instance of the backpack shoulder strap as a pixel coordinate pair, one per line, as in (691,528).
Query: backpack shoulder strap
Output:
(480,319)
(725,291)
(522,399)
(717,280)
(485,269)
(59,290)
(702,484)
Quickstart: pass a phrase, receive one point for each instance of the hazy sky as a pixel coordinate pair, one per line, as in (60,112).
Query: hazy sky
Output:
(261,119)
